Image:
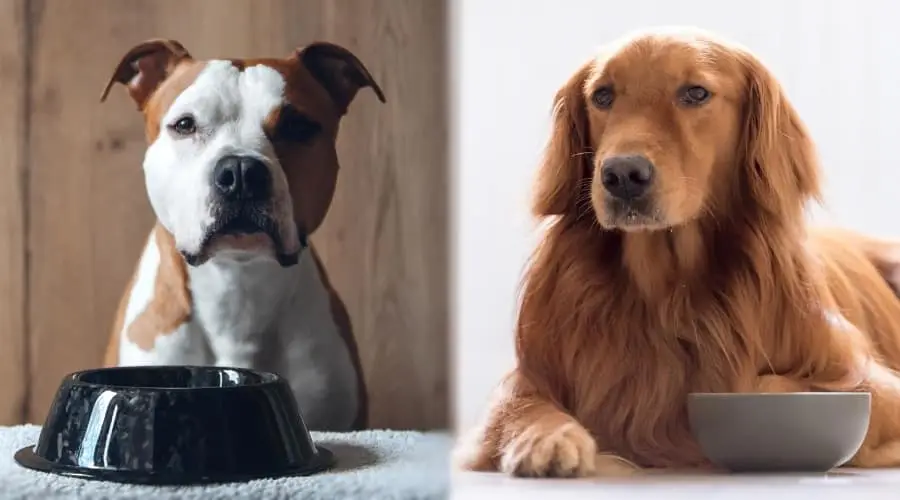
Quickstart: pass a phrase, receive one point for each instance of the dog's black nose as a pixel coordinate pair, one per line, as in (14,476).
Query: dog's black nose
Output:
(242,178)
(627,177)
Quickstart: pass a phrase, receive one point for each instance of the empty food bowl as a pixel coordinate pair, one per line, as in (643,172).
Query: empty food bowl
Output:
(174,425)
(796,432)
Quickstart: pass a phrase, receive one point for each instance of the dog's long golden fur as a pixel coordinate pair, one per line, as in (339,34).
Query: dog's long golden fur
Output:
(714,284)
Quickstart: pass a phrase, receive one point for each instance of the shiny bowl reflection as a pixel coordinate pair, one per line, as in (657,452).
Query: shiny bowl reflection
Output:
(174,425)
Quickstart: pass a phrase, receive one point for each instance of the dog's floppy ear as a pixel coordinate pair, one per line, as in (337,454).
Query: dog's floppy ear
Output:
(781,163)
(339,71)
(567,160)
(145,67)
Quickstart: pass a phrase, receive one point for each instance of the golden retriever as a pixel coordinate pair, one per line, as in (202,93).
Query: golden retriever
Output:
(677,259)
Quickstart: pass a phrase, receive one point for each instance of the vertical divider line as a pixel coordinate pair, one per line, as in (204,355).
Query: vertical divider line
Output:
(27,16)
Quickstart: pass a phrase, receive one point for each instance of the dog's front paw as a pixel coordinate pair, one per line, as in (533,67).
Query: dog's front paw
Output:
(473,452)
(567,450)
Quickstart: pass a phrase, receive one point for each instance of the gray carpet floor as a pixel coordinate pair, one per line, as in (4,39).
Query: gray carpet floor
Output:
(371,465)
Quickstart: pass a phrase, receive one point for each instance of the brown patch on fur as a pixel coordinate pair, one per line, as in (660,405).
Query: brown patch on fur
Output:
(727,291)
(314,163)
(183,76)
(322,97)
(171,303)
(145,66)
(342,320)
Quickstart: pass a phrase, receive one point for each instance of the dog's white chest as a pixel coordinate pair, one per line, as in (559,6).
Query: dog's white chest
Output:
(238,305)
(256,314)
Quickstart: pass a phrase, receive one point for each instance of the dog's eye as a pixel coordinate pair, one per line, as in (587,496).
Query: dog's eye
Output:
(604,97)
(295,127)
(186,125)
(694,95)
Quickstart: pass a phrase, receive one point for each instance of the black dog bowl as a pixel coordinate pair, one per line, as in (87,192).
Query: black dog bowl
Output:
(174,425)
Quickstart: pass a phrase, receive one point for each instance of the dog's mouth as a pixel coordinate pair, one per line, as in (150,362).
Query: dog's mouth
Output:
(635,215)
(245,224)
(244,233)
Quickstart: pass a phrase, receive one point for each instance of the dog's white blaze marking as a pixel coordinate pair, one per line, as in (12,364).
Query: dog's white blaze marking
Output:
(229,107)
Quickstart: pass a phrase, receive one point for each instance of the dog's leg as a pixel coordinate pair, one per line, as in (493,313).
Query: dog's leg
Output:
(311,354)
(853,353)
(526,435)
(886,455)
(846,363)
(841,358)
(881,447)
(779,384)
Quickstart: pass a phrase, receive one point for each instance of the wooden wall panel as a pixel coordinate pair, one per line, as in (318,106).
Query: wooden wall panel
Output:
(88,214)
(13,382)
(384,242)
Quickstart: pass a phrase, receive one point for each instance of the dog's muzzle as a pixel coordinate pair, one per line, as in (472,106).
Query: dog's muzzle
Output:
(241,205)
(628,182)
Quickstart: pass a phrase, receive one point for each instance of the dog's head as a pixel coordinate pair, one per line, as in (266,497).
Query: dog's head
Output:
(668,127)
(241,159)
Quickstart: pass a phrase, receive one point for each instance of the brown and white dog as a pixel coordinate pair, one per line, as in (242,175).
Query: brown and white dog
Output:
(240,169)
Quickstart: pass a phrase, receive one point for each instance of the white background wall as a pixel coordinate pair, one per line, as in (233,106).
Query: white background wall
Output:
(839,61)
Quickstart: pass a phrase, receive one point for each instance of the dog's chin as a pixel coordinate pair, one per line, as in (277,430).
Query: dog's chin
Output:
(241,256)
(632,217)
(244,241)
(241,247)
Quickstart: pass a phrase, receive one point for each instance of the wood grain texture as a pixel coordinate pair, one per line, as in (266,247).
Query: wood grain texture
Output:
(88,215)
(13,380)
(384,242)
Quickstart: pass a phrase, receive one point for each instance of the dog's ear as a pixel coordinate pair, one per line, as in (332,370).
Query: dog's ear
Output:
(566,165)
(145,67)
(339,71)
(781,163)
